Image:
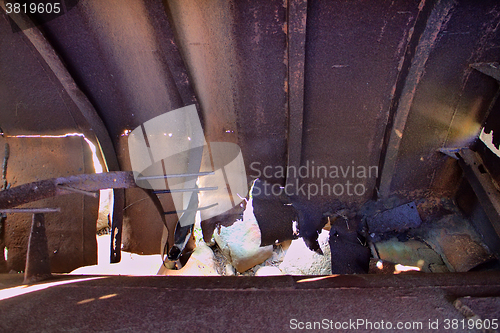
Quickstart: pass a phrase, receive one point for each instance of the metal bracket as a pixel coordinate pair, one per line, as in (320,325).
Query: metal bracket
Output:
(489,68)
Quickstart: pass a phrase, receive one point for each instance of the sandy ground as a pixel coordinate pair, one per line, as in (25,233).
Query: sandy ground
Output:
(130,264)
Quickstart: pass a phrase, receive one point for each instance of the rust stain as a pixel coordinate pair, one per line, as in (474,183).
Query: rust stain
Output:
(382,31)
(421,5)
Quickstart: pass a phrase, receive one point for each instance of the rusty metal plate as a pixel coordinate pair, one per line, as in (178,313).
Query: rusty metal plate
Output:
(451,99)
(70,233)
(352,67)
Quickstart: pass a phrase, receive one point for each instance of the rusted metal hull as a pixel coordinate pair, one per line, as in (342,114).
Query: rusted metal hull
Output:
(374,86)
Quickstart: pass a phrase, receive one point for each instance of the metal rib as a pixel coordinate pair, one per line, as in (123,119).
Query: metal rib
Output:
(201,189)
(176,175)
(190,210)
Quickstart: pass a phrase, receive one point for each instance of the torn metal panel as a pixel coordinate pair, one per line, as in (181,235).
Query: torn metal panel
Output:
(296,52)
(435,23)
(397,219)
(491,69)
(349,256)
(37,257)
(481,183)
(124,57)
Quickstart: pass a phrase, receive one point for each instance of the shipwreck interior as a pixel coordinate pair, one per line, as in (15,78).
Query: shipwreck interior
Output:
(292,152)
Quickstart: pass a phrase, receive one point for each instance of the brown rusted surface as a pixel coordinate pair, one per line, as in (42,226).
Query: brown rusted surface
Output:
(354,58)
(451,100)
(80,101)
(435,23)
(248,304)
(296,48)
(70,233)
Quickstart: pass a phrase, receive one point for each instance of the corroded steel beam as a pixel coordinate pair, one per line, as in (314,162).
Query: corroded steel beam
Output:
(488,196)
(296,53)
(47,188)
(37,258)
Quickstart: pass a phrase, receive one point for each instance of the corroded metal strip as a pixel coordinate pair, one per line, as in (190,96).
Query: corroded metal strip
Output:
(296,45)
(75,190)
(30,192)
(30,210)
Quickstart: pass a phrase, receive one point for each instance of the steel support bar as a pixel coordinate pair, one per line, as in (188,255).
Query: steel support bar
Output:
(37,258)
(296,50)
(196,174)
